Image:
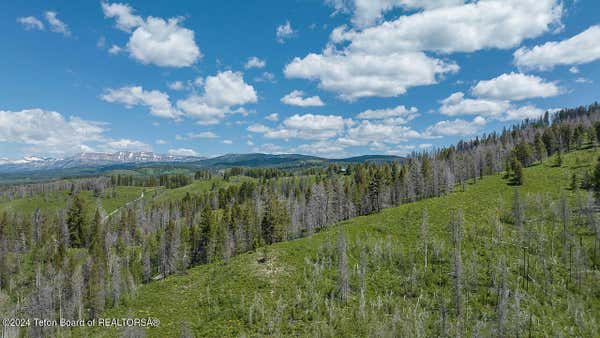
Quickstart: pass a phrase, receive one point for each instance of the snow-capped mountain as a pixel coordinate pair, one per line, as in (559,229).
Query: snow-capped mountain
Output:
(31,163)
(128,156)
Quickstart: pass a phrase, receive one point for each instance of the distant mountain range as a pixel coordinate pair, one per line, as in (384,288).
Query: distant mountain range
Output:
(97,163)
(84,160)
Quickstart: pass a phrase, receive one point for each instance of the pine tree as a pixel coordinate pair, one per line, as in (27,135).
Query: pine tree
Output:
(518,177)
(456,225)
(540,148)
(424,236)
(596,178)
(76,223)
(559,159)
(344,283)
(574,184)
(203,239)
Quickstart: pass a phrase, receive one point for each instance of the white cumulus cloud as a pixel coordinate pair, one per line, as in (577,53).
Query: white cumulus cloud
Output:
(457,104)
(458,127)
(284,32)
(467,28)
(356,75)
(579,49)
(399,114)
(272,117)
(515,86)
(222,92)
(56,25)
(368,12)
(48,131)
(255,62)
(521,113)
(182,152)
(124,145)
(374,133)
(130,96)
(307,126)
(387,59)
(296,98)
(204,134)
(31,22)
(158,41)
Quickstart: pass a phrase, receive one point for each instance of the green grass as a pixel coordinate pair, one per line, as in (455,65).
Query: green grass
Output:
(200,186)
(294,293)
(57,200)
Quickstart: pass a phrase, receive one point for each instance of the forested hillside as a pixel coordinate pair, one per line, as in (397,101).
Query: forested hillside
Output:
(480,243)
(495,260)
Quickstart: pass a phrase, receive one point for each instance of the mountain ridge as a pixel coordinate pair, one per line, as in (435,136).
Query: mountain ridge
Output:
(102,162)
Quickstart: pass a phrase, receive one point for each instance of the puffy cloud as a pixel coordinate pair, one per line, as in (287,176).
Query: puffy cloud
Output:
(368,12)
(583,80)
(155,40)
(284,32)
(176,85)
(272,117)
(295,98)
(322,148)
(182,152)
(402,150)
(161,141)
(130,96)
(125,145)
(31,22)
(228,89)
(227,142)
(204,134)
(456,104)
(515,86)
(269,148)
(255,62)
(56,25)
(368,132)
(114,50)
(265,77)
(466,28)
(574,70)
(126,20)
(258,128)
(398,115)
(456,127)
(222,92)
(308,126)
(355,75)
(48,131)
(521,113)
(163,43)
(386,59)
(579,49)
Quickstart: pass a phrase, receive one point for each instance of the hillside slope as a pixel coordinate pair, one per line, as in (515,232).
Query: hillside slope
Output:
(374,275)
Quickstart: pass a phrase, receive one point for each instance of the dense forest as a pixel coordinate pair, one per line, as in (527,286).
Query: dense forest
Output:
(76,263)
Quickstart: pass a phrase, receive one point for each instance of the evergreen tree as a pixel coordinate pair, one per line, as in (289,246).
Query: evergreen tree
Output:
(540,148)
(76,223)
(518,177)
(596,178)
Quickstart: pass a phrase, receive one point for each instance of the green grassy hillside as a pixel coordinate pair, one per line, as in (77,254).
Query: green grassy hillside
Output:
(299,288)
(57,200)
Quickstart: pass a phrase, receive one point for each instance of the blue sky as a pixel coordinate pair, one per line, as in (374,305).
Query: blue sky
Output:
(330,78)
